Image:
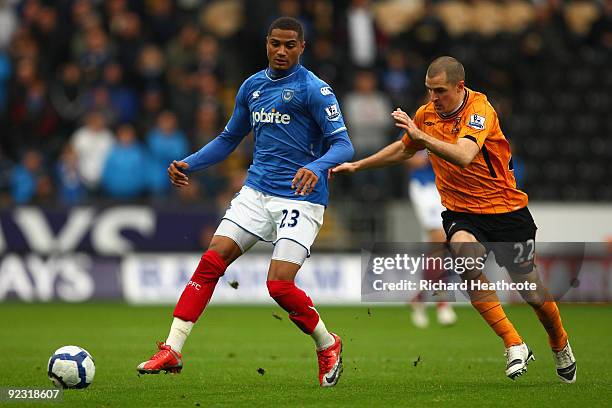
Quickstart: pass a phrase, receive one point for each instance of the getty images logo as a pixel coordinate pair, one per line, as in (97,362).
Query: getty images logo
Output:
(271,117)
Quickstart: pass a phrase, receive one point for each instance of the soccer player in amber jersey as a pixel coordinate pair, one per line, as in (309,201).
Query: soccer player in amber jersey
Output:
(484,210)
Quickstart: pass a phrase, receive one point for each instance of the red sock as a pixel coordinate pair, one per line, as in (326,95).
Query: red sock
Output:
(296,302)
(418,298)
(200,288)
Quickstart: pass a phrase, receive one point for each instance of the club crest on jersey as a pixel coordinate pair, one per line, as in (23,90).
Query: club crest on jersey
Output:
(332,112)
(477,122)
(456,128)
(288,95)
(256,94)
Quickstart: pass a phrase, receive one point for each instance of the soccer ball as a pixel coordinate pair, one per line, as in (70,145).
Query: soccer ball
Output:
(71,367)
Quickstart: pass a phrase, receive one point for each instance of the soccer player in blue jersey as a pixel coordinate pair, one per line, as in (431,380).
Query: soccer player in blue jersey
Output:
(299,135)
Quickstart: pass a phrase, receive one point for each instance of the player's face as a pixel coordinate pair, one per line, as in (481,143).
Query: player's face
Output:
(284,48)
(445,96)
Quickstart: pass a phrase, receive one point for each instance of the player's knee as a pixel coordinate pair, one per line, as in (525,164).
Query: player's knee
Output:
(226,248)
(520,268)
(464,244)
(211,266)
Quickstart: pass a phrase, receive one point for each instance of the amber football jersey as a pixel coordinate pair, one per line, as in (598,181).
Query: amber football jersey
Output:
(487,185)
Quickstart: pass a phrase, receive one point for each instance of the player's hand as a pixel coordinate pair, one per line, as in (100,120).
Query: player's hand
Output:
(304,181)
(176,172)
(403,121)
(347,167)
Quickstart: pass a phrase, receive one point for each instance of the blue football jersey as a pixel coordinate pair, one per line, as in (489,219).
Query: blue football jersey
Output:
(295,119)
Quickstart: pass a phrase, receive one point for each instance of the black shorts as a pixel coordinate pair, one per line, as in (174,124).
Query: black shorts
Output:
(511,236)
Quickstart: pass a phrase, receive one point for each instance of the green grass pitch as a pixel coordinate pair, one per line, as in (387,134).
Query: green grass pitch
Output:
(387,361)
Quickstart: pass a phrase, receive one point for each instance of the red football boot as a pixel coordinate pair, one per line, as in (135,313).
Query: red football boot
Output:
(330,363)
(165,359)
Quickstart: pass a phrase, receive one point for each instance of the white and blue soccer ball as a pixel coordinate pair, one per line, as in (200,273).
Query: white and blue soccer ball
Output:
(71,367)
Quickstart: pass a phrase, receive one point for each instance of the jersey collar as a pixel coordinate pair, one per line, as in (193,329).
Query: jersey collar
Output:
(277,74)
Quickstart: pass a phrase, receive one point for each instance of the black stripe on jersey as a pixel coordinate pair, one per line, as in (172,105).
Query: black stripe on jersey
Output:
(472,138)
(485,154)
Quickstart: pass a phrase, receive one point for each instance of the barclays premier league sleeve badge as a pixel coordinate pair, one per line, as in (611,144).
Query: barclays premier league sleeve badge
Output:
(477,122)
(332,112)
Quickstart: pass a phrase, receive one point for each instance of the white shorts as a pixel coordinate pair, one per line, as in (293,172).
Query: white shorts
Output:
(273,218)
(427,204)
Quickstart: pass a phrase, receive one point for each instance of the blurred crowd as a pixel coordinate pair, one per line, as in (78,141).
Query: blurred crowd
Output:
(98,97)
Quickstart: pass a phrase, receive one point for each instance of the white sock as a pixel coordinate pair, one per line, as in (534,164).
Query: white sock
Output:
(321,336)
(179,331)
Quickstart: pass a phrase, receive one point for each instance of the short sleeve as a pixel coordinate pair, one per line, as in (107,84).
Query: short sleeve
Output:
(478,122)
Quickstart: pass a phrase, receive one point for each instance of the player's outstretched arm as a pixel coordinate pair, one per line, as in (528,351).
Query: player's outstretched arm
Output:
(462,153)
(394,153)
(176,172)
(221,146)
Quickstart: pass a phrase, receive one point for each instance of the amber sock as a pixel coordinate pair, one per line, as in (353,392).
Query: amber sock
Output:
(548,313)
(487,304)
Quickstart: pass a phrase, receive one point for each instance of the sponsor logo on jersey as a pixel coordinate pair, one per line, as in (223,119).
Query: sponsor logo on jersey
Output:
(256,94)
(477,122)
(288,95)
(332,112)
(273,116)
(428,123)
(326,91)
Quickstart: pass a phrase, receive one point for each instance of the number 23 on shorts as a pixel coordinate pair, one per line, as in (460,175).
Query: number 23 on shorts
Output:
(290,218)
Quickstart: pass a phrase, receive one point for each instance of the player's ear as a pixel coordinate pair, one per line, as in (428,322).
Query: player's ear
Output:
(460,85)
